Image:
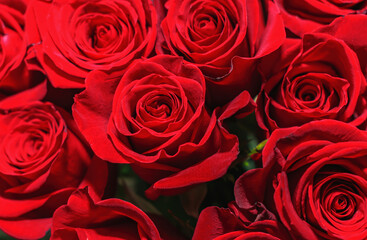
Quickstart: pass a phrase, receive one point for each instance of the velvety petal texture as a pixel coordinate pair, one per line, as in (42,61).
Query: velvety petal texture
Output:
(224,39)
(155,118)
(314,180)
(43,159)
(233,224)
(82,219)
(70,38)
(305,16)
(14,74)
(321,76)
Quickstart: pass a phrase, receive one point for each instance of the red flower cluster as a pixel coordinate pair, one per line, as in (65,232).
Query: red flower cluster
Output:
(165,87)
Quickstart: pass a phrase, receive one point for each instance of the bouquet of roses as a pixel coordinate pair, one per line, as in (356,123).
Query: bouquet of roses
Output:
(183,119)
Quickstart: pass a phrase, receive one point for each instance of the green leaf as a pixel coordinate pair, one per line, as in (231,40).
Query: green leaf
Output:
(258,148)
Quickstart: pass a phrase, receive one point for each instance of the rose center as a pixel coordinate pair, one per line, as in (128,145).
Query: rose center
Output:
(32,146)
(103,35)
(159,106)
(206,25)
(343,206)
(308,97)
(307,93)
(339,197)
(340,203)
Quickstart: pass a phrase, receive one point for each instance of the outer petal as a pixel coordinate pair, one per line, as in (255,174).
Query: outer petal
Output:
(355,39)
(92,116)
(88,219)
(30,229)
(214,222)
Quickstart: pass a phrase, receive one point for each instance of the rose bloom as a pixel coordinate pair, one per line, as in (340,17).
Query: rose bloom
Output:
(314,180)
(224,39)
(316,78)
(82,218)
(43,159)
(154,117)
(238,224)
(73,37)
(304,16)
(14,75)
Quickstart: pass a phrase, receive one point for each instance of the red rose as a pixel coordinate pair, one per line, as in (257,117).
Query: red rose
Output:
(352,36)
(155,118)
(43,159)
(232,224)
(317,78)
(224,39)
(73,37)
(305,16)
(83,219)
(314,179)
(14,75)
